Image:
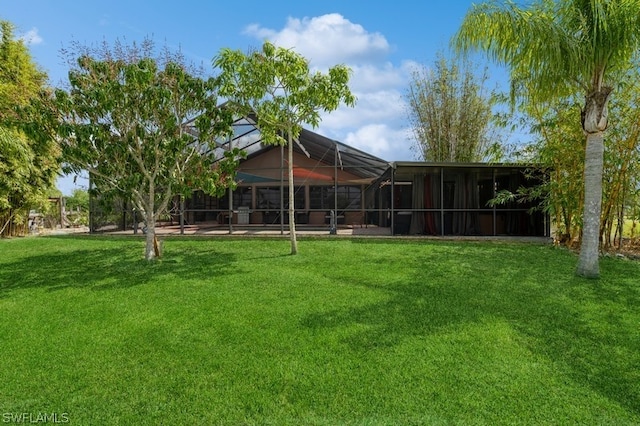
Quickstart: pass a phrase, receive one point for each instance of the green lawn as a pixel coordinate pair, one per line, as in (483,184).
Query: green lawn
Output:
(349,332)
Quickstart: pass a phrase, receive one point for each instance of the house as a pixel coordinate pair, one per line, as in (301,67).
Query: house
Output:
(339,185)
(328,176)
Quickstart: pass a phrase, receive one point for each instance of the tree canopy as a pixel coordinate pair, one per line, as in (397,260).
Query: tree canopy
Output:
(451,112)
(277,85)
(145,129)
(559,48)
(28,151)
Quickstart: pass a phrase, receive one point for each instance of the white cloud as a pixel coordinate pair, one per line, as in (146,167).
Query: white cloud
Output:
(377,123)
(255,30)
(31,37)
(326,40)
(382,141)
(386,106)
(374,75)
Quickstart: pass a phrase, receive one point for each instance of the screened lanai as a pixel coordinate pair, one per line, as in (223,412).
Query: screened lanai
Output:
(330,178)
(455,199)
(339,185)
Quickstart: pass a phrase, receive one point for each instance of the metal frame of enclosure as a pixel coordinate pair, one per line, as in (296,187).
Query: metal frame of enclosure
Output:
(456,199)
(337,185)
(332,184)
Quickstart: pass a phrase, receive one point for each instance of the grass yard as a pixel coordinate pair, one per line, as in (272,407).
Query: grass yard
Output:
(349,332)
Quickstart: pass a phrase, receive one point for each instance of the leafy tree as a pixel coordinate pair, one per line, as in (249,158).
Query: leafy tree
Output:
(20,77)
(562,46)
(558,148)
(276,84)
(78,200)
(77,207)
(621,181)
(28,152)
(144,128)
(451,112)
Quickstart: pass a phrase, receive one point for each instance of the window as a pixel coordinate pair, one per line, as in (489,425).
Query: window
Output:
(242,197)
(324,197)
(201,201)
(268,198)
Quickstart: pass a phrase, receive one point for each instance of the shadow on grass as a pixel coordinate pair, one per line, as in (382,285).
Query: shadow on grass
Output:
(591,329)
(105,263)
(587,329)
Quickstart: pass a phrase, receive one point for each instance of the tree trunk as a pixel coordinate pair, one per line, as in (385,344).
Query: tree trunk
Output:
(151,250)
(594,122)
(292,210)
(588,262)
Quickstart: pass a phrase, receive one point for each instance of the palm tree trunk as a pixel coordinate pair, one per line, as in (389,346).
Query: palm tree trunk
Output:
(594,123)
(588,262)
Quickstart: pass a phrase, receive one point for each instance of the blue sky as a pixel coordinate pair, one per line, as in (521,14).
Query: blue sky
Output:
(380,41)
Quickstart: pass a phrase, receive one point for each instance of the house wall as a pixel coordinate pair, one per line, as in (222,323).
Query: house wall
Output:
(260,179)
(307,171)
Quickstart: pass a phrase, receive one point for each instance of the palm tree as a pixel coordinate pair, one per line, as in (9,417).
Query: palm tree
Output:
(563,46)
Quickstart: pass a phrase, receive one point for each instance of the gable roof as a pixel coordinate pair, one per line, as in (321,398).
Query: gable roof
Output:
(247,136)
